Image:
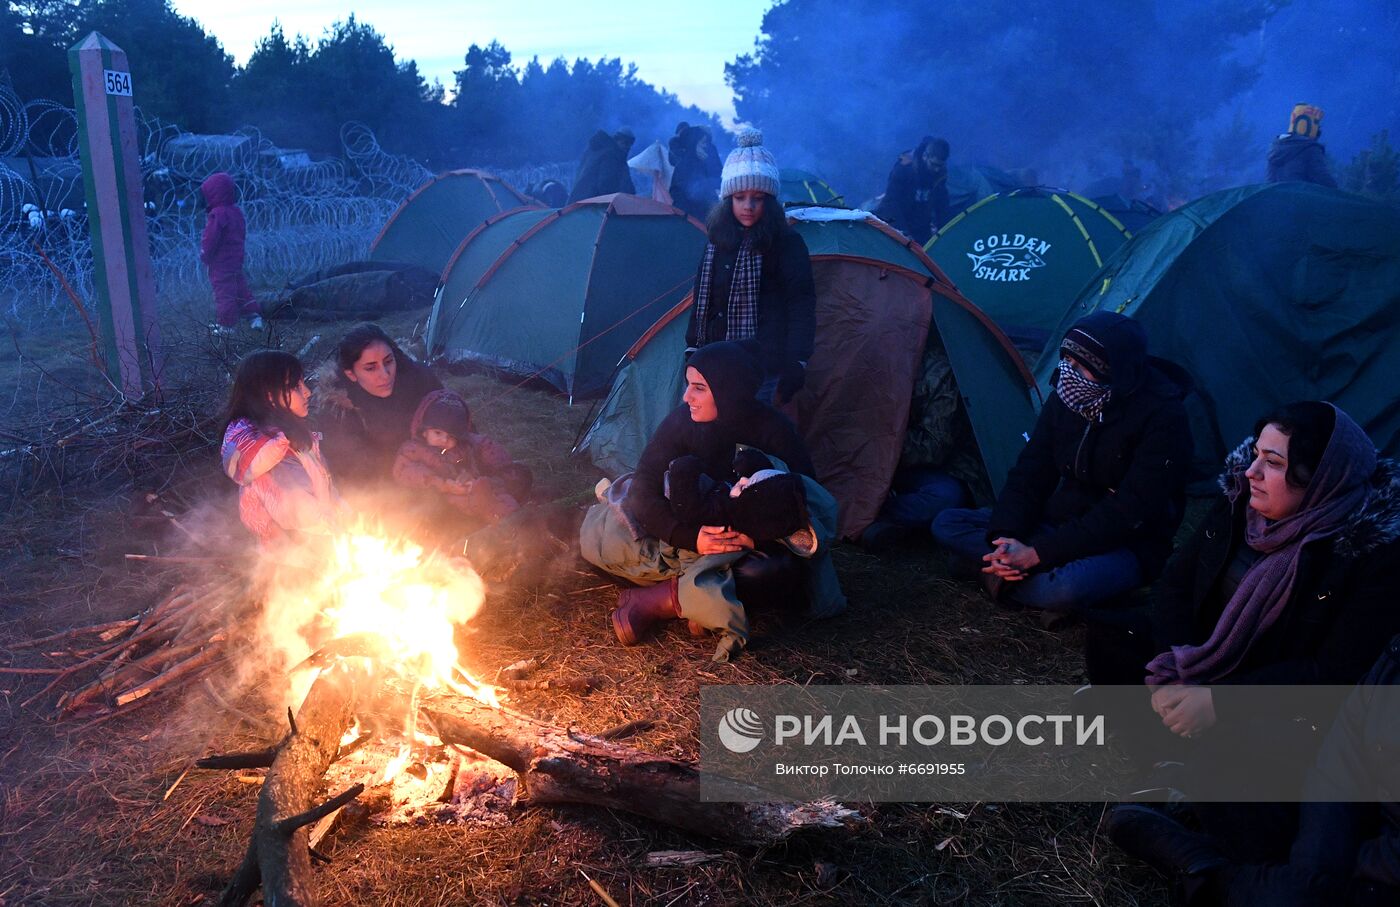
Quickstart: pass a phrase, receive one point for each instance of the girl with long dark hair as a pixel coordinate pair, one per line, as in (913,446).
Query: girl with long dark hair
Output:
(270,451)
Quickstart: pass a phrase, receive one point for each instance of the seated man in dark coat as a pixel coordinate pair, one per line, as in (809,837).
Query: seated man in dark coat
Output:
(1090,508)
(1298,154)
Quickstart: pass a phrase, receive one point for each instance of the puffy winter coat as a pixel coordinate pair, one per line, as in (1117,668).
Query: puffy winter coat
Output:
(787,302)
(1100,486)
(420,464)
(1295,158)
(282,491)
(363,432)
(221,248)
(1342,609)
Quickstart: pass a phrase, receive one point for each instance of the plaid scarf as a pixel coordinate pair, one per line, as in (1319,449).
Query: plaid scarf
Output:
(742,315)
(1088,398)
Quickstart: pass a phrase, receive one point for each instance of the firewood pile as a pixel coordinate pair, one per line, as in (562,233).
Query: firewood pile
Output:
(108,668)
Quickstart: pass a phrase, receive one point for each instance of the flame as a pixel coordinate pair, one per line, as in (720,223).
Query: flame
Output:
(408,604)
(397,764)
(351,735)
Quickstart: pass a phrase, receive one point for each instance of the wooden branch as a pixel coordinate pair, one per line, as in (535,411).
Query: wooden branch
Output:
(171,675)
(78,632)
(317,813)
(288,798)
(556,766)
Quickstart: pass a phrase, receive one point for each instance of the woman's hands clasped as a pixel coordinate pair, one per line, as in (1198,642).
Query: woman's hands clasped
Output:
(720,540)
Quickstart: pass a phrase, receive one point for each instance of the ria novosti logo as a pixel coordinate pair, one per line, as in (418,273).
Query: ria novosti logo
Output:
(740,730)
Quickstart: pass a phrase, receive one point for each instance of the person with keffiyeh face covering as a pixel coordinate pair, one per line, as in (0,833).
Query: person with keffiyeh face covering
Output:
(1090,508)
(755,279)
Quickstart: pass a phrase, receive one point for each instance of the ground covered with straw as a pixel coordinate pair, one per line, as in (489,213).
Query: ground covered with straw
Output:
(106,810)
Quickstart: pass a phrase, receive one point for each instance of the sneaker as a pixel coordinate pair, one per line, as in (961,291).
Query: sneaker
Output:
(257,323)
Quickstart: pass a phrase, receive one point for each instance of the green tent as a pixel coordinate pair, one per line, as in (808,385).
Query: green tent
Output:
(798,187)
(560,294)
(1133,214)
(1265,294)
(879,301)
(1022,256)
(968,185)
(432,222)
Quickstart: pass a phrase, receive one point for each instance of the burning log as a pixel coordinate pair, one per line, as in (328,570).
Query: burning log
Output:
(557,766)
(279,854)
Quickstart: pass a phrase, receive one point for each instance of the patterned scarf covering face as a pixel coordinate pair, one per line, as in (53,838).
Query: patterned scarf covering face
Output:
(1088,398)
(1340,486)
(742,315)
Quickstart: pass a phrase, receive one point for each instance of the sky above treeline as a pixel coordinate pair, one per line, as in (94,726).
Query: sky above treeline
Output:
(681,47)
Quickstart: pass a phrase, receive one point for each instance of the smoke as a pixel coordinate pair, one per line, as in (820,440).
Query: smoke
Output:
(1191,92)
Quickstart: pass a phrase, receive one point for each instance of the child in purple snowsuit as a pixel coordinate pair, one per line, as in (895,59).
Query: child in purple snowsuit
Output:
(221,250)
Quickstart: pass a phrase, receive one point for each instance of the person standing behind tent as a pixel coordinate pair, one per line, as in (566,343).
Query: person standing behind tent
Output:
(916,194)
(755,278)
(1298,155)
(1090,508)
(364,403)
(697,170)
(692,571)
(603,169)
(221,248)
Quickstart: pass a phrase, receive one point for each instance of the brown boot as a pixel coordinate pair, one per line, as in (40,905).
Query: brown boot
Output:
(639,610)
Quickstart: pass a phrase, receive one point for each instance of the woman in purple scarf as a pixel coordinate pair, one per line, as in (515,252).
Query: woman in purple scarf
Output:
(1290,580)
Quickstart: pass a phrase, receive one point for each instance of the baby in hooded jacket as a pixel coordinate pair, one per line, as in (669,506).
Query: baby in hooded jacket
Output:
(471,473)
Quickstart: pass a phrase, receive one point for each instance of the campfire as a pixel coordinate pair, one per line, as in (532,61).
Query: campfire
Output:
(365,628)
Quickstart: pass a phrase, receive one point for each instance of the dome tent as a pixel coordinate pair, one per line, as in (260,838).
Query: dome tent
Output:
(798,187)
(1266,294)
(1022,256)
(561,293)
(431,223)
(879,303)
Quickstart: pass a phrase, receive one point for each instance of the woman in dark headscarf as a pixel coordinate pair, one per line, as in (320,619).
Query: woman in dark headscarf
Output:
(688,569)
(1289,581)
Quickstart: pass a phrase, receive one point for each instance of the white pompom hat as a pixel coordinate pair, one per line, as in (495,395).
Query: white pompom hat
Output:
(749,166)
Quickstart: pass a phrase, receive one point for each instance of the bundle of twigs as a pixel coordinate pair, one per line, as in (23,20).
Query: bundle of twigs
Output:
(136,659)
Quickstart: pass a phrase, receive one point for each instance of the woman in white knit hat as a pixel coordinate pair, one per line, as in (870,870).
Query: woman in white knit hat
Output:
(754,282)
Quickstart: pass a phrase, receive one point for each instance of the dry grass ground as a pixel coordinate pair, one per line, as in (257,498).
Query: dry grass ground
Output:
(88,814)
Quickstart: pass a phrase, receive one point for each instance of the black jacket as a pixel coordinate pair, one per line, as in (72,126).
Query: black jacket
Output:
(603,169)
(1293,158)
(695,182)
(1103,485)
(733,378)
(916,198)
(1343,606)
(362,433)
(787,302)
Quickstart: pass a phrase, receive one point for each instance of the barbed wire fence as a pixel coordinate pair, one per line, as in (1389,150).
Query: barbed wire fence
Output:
(302,214)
